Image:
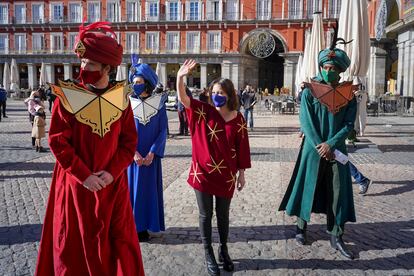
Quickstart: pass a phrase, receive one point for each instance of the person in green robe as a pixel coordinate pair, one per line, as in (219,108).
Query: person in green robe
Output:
(319,183)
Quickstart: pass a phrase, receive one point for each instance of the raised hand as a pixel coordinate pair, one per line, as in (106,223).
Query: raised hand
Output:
(186,68)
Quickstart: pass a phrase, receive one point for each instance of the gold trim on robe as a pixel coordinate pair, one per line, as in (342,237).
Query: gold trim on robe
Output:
(97,111)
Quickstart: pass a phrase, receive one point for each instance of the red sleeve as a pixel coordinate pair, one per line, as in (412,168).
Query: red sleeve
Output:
(126,145)
(60,135)
(196,113)
(243,147)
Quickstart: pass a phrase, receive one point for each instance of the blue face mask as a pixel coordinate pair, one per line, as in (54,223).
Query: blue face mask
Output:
(218,100)
(138,89)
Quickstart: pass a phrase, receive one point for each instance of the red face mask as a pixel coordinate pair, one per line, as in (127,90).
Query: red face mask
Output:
(89,77)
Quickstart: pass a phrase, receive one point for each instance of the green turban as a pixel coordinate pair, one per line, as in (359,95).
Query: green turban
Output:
(335,57)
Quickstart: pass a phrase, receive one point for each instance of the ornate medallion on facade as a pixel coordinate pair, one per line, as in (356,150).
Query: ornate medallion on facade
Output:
(262,44)
(98,112)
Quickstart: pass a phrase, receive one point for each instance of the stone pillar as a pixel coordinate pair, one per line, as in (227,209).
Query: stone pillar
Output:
(406,67)
(50,72)
(32,76)
(289,75)
(400,73)
(163,75)
(235,70)
(67,70)
(203,75)
(378,72)
(411,72)
(124,70)
(226,70)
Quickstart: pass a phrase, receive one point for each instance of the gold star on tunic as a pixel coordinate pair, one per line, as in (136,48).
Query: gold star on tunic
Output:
(195,172)
(235,154)
(243,127)
(232,180)
(213,132)
(201,114)
(216,166)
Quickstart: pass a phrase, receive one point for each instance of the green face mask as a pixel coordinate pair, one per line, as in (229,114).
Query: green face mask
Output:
(329,76)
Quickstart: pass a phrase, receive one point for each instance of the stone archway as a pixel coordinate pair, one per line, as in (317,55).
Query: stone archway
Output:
(269,70)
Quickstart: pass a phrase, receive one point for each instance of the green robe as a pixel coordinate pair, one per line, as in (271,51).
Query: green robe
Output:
(319,125)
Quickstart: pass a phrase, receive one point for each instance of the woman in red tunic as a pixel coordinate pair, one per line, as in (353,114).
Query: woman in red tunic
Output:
(220,154)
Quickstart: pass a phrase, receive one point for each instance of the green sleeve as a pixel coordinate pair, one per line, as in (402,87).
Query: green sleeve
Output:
(308,119)
(347,126)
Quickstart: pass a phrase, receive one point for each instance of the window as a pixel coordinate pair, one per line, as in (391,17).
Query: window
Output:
(152,45)
(56,12)
(173,10)
(313,6)
(193,10)
(20,13)
(295,9)
(214,10)
(214,42)
(232,10)
(38,42)
(94,12)
(4,43)
(20,43)
(71,41)
(56,42)
(38,13)
(132,11)
(75,12)
(132,43)
(4,14)
(263,9)
(152,11)
(193,42)
(113,11)
(334,8)
(173,42)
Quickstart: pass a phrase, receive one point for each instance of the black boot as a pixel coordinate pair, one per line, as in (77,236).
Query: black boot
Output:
(338,244)
(224,258)
(212,266)
(300,235)
(143,236)
(37,148)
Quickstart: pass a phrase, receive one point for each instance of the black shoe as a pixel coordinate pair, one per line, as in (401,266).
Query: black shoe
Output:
(338,244)
(212,266)
(300,236)
(5,116)
(37,149)
(363,188)
(143,236)
(41,149)
(224,258)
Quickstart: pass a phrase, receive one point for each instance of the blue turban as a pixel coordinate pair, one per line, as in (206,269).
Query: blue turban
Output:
(335,57)
(142,70)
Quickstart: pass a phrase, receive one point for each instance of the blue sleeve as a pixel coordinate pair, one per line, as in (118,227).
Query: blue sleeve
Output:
(158,147)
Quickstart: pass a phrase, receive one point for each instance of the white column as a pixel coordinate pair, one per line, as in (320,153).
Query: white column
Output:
(203,75)
(50,72)
(400,73)
(32,76)
(163,77)
(225,70)
(289,75)
(406,68)
(67,71)
(380,57)
(411,72)
(124,70)
(235,75)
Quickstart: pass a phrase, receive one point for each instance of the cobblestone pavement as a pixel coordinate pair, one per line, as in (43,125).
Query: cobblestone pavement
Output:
(261,239)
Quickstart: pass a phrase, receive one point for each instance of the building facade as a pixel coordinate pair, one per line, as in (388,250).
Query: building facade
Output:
(248,41)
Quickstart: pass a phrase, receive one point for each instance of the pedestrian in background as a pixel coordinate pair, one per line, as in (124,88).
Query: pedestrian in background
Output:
(220,154)
(248,100)
(182,115)
(31,103)
(3,100)
(39,126)
(50,98)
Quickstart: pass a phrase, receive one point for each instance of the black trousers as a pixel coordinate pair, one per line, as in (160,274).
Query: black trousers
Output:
(205,207)
(3,108)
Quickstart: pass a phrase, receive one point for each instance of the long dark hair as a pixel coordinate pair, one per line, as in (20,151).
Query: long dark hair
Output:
(228,87)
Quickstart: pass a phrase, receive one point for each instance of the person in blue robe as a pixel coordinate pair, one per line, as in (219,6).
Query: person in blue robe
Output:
(145,173)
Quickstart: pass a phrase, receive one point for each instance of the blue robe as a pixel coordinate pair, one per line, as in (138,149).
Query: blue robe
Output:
(145,182)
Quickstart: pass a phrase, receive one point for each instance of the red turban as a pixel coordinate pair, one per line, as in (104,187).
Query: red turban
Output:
(97,42)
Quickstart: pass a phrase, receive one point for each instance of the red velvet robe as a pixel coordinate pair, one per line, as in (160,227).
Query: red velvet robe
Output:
(89,233)
(219,149)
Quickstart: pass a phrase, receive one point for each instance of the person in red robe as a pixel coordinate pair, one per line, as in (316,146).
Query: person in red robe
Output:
(89,227)
(220,154)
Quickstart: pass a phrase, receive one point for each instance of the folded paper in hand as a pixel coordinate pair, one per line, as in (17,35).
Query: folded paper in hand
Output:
(340,157)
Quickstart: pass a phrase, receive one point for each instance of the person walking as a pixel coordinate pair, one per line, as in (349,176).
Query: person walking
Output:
(31,102)
(220,154)
(319,183)
(145,173)
(89,228)
(38,129)
(248,100)
(182,115)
